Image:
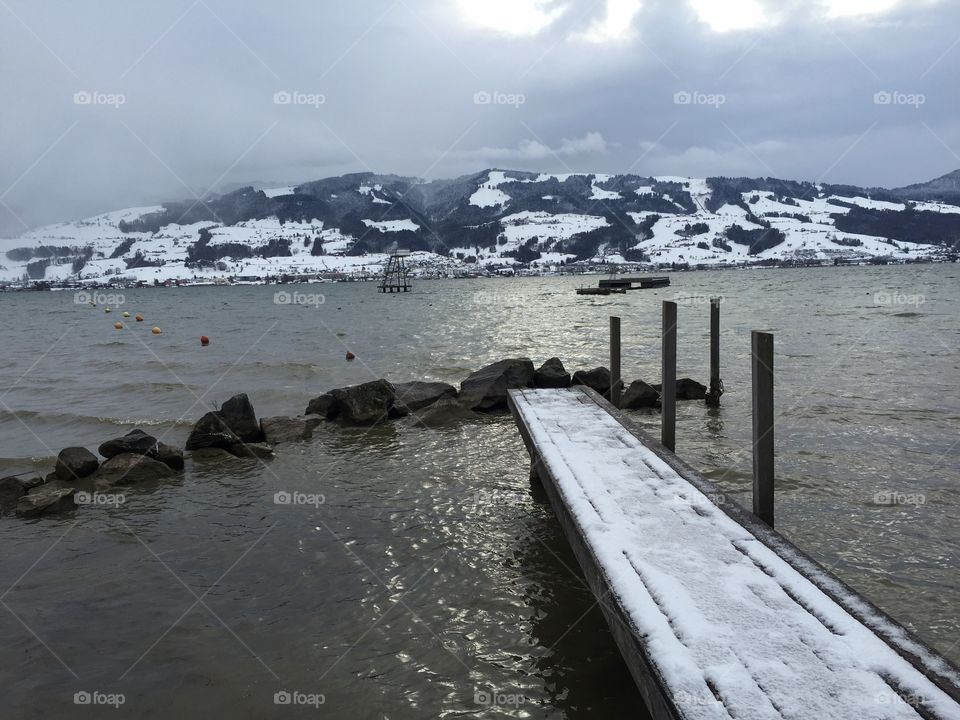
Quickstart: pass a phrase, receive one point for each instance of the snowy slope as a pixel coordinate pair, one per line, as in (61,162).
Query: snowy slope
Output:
(495,218)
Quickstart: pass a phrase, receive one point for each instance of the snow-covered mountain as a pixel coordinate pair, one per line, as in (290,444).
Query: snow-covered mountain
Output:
(495,218)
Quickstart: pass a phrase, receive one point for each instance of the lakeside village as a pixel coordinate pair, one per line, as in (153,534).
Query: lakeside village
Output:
(423,266)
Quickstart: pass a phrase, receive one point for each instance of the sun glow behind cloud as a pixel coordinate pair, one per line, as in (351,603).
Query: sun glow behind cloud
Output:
(616,24)
(512,17)
(730,14)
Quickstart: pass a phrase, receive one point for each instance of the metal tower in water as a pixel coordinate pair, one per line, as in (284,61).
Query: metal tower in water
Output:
(395,275)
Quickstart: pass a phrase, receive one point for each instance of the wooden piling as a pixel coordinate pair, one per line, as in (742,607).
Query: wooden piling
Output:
(763,422)
(615,361)
(716,384)
(668,391)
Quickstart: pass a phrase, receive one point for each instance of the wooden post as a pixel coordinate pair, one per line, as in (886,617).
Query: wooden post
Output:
(615,361)
(762,362)
(716,385)
(668,391)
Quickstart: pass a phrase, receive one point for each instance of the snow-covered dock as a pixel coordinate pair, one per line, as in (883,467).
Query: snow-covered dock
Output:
(717,615)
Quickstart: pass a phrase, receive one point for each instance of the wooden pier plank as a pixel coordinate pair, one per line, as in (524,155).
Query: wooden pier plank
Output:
(715,614)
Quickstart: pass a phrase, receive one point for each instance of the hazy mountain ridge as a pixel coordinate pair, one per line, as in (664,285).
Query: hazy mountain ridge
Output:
(498,217)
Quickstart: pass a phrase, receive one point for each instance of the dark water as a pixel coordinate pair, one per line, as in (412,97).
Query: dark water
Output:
(432,582)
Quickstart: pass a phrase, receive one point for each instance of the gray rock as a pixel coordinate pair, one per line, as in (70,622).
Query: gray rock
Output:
(597,379)
(137,442)
(446,411)
(238,414)
(74,463)
(130,469)
(324,406)
(211,454)
(552,374)
(46,499)
(285,429)
(688,389)
(640,395)
(417,395)
(11,490)
(211,431)
(312,421)
(251,450)
(365,404)
(486,389)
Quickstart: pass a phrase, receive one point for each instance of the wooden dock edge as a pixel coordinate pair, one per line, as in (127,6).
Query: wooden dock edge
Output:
(936,668)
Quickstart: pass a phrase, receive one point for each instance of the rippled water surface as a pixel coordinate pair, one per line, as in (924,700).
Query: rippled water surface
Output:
(433,581)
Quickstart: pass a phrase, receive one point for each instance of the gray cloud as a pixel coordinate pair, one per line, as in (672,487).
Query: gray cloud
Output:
(392,87)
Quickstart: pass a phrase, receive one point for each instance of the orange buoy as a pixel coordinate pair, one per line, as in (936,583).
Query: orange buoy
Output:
(204,340)
(118,325)
(155,331)
(350,355)
(139,317)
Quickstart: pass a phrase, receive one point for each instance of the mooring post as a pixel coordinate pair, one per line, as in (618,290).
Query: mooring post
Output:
(716,384)
(762,362)
(668,391)
(615,361)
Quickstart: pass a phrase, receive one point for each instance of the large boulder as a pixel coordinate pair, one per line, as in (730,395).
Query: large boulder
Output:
(688,389)
(285,429)
(211,431)
(130,469)
(74,463)
(486,389)
(46,499)
(238,414)
(365,404)
(445,411)
(640,395)
(15,487)
(597,379)
(552,374)
(251,450)
(418,395)
(137,442)
(324,406)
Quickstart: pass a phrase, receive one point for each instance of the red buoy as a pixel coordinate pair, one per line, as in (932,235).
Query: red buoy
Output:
(204,340)
(350,355)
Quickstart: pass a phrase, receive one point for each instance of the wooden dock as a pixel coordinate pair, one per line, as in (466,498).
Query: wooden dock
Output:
(716,614)
(635,283)
(601,291)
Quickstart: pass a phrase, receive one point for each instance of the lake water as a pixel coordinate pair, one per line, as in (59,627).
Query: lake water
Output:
(433,581)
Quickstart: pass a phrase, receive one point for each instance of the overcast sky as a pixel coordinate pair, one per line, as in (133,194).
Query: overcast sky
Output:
(117,103)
